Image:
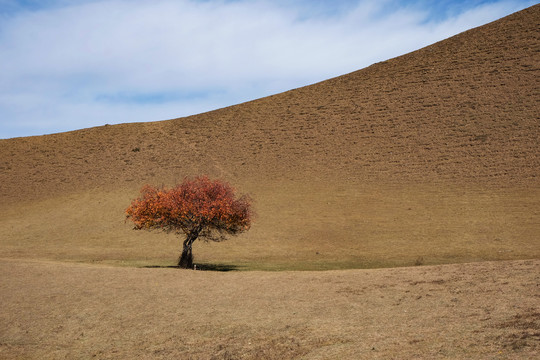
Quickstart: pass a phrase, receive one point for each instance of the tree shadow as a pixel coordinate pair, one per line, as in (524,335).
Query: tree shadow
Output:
(199,267)
(218,267)
(160,267)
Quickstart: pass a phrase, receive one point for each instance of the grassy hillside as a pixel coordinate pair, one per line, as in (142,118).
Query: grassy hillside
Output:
(431,157)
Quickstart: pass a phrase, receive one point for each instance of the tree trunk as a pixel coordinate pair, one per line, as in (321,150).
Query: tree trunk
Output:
(186,259)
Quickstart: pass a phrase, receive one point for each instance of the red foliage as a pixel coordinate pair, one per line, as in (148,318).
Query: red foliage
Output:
(196,207)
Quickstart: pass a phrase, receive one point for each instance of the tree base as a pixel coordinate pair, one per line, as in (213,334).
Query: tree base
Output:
(186,259)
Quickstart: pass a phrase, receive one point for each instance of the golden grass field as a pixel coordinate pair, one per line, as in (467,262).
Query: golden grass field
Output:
(349,227)
(81,311)
(415,181)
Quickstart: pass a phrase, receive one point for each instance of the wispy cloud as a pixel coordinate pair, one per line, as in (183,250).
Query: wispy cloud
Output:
(69,64)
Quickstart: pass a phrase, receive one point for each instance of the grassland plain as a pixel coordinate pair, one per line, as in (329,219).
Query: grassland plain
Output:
(486,310)
(349,227)
(430,158)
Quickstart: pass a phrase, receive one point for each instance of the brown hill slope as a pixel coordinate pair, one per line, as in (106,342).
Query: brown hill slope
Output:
(434,149)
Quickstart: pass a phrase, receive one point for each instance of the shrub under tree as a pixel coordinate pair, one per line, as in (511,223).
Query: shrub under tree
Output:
(196,208)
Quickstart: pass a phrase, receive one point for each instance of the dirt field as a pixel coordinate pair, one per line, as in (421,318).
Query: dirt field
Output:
(416,181)
(486,310)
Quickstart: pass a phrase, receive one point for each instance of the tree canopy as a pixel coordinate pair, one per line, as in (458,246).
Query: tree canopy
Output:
(198,207)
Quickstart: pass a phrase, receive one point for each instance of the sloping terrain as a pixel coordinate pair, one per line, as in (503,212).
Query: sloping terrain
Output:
(426,158)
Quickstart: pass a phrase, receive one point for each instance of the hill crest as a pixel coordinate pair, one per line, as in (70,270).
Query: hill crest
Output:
(464,110)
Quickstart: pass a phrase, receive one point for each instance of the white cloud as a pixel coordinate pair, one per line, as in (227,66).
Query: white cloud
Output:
(86,63)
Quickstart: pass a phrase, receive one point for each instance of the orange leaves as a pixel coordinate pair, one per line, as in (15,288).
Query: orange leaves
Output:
(211,204)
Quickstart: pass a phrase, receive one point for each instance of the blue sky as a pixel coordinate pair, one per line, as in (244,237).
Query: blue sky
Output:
(72,64)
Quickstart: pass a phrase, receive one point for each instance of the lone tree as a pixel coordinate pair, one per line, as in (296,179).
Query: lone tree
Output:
(198,208)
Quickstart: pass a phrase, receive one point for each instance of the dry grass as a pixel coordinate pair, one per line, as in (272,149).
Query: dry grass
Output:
(468,311)
(305,227)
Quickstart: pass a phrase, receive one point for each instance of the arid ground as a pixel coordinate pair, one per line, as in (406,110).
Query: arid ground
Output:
(485,310)
(398,216)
